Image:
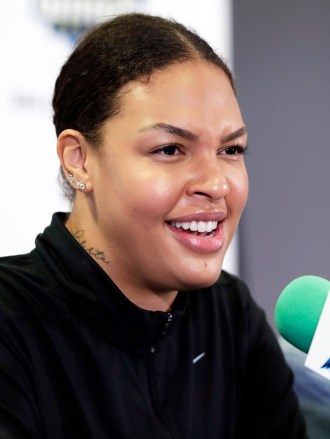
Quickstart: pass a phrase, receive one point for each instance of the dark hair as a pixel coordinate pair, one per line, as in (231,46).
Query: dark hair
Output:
(126,48)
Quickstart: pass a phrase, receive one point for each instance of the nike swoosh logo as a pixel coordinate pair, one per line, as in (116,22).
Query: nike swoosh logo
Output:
(199,357)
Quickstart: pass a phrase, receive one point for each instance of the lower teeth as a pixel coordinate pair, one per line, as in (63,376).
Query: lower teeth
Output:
(200,233)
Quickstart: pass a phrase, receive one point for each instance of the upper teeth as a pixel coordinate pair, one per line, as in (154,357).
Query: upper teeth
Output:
(196,226)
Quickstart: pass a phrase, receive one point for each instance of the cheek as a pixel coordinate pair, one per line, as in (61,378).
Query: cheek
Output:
(154,196)
(239,189)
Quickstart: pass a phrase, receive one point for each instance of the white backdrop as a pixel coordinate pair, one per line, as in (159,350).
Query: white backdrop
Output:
(31,55)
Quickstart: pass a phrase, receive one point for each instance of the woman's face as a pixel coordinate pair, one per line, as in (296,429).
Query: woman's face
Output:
(170,184)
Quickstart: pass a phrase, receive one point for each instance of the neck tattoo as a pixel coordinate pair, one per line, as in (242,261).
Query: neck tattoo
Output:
(97,254)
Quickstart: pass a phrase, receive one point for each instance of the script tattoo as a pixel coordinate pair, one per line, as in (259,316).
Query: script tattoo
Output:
(98,254)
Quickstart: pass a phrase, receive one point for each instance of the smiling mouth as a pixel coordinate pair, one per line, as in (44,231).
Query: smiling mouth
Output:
(197,228)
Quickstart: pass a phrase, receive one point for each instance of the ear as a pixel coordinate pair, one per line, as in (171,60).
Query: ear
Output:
(72,150)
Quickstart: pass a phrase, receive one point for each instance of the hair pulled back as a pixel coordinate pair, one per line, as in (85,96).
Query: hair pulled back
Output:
(120,50)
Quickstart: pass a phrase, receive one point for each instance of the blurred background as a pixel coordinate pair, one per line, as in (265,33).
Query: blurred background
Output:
(282,67)
(279,52)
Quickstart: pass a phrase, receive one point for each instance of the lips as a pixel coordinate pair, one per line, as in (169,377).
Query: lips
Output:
(201,232)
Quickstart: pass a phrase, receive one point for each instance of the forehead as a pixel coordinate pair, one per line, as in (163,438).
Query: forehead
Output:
(189,93)
(182,73)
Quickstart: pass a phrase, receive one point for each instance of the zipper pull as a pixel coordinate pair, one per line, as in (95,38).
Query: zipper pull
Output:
(168,323)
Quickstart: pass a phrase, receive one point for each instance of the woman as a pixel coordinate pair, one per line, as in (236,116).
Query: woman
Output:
(117,324)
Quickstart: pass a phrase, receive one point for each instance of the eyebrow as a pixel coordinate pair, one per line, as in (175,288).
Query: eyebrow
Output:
(234,135)
(171,129)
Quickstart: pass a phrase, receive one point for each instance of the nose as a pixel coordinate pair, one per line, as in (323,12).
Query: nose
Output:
(208,180)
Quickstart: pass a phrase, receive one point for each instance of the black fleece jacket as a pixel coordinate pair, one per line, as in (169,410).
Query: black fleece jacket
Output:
(79,360)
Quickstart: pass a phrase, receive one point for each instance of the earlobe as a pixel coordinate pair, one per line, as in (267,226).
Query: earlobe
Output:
(72,150)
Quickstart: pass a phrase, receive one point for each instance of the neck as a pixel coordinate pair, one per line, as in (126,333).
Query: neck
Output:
(142,296)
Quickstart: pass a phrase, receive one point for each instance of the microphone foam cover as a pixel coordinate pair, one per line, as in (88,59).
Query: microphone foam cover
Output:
(298,309)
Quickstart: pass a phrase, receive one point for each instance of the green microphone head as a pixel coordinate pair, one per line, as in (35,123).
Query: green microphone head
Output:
(298,310)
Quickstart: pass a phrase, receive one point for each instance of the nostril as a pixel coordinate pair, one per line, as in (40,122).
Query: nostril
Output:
(201,193)
(207,187)
(209,194)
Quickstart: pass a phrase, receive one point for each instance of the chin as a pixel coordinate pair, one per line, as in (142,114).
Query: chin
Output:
(200,280)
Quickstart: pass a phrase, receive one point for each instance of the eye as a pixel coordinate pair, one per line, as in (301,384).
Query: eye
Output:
(235,150)
(168,150)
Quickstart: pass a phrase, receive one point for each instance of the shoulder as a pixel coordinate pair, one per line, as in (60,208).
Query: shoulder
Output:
(22,278)
(234,293)
(232,283)
(231,291)
(228,304)
(13,270)
(228,299)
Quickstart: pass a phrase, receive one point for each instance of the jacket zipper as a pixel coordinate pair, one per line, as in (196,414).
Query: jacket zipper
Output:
(168,323)
(166,433)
